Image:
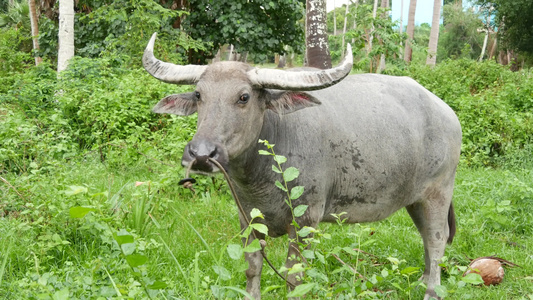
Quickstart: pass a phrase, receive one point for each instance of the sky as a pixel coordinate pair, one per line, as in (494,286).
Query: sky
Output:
(424,10)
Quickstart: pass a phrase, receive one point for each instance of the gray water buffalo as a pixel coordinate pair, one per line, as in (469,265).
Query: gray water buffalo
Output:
(366,144)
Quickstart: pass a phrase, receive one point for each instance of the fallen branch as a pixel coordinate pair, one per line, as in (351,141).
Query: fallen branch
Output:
(12,187)
(351,268)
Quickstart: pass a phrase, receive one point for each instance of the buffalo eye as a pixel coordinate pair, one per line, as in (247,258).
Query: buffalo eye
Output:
(244,99)
(197,95)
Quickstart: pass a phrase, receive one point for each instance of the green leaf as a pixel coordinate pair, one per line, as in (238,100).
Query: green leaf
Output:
(280,186)
(304,232)
(301,290)
(309,254)
(135,260)
(158,285)
(123,237)
(441,291)
(409,270)
(222,272)
(296,192)
(472,278)
(235,251)
(128,248)
(61,294)
(264,152)
(276,169)
(300,210)
(280,159)
(76,189)
(256,213)
(290,174)
(260,227)
(254,246)
(79,212)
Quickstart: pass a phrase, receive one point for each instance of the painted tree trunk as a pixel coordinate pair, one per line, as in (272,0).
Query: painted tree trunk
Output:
(316,36)
(66,34)
(434,35)
(34,31)
(407,55)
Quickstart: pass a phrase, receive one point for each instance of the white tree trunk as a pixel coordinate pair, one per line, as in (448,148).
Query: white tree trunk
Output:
(344,29)
(410,31)
(34,30)
(487,31)
(371,37)
(382,63)
(434,35)
(334,20)
(66,34)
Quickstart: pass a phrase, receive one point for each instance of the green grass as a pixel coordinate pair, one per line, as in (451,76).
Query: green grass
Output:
(46,254)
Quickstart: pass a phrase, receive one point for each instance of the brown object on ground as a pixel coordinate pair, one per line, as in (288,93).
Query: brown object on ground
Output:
(490,268)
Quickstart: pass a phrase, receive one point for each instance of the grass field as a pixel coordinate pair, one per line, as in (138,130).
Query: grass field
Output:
(174,242)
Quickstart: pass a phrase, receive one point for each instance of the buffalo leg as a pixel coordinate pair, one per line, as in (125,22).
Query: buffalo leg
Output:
(431,219)
(255,266)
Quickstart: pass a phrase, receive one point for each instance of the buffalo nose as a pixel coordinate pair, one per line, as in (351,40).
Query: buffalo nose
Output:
(203,151)
(199,153)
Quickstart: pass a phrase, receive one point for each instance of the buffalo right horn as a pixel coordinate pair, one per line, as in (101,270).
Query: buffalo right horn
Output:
(304,80)
(168,72)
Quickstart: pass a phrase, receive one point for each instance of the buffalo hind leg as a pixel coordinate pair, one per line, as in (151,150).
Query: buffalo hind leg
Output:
(432,218)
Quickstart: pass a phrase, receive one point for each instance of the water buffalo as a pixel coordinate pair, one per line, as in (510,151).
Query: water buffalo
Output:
(365,144)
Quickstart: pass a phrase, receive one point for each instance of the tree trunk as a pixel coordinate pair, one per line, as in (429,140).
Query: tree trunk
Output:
(407,55)
(66,34)
(34,31)
(334,20)
(434,35)
(382,64)
(344,29)
(316,36)
(486,39)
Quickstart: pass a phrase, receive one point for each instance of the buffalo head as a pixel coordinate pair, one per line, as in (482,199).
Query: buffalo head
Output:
(231,99)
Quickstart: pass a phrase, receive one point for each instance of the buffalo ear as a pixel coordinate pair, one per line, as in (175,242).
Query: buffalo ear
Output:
(178,104)
(285,102)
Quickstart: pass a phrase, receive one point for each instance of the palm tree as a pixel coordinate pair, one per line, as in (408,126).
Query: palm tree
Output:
(34,30)
(66,34)
(410,32)
(434,35)
(17,16)
(316,35)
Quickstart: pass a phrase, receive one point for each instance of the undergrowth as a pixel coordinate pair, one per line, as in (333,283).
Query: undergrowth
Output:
(90,207)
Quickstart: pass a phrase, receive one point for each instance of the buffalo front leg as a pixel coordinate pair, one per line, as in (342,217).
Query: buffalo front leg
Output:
(255,265)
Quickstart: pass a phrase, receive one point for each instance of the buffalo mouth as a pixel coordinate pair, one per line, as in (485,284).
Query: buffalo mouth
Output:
(202,156)
(202,165)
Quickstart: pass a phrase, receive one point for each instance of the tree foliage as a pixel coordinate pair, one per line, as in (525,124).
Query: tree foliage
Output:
(260,27)
(514,20)
(460,37)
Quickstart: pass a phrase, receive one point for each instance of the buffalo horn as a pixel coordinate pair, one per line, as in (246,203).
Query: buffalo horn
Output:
(304,80)
(168,72)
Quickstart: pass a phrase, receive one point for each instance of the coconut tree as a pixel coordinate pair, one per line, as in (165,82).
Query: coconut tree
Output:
(66,34)
(34,31)
(316,35)
(410,31)
(434,34)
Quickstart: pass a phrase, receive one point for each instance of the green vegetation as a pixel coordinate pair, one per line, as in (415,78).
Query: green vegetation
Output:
(90,207)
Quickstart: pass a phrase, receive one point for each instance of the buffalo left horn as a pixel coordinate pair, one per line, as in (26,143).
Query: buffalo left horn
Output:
(168,72)
(305,80)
